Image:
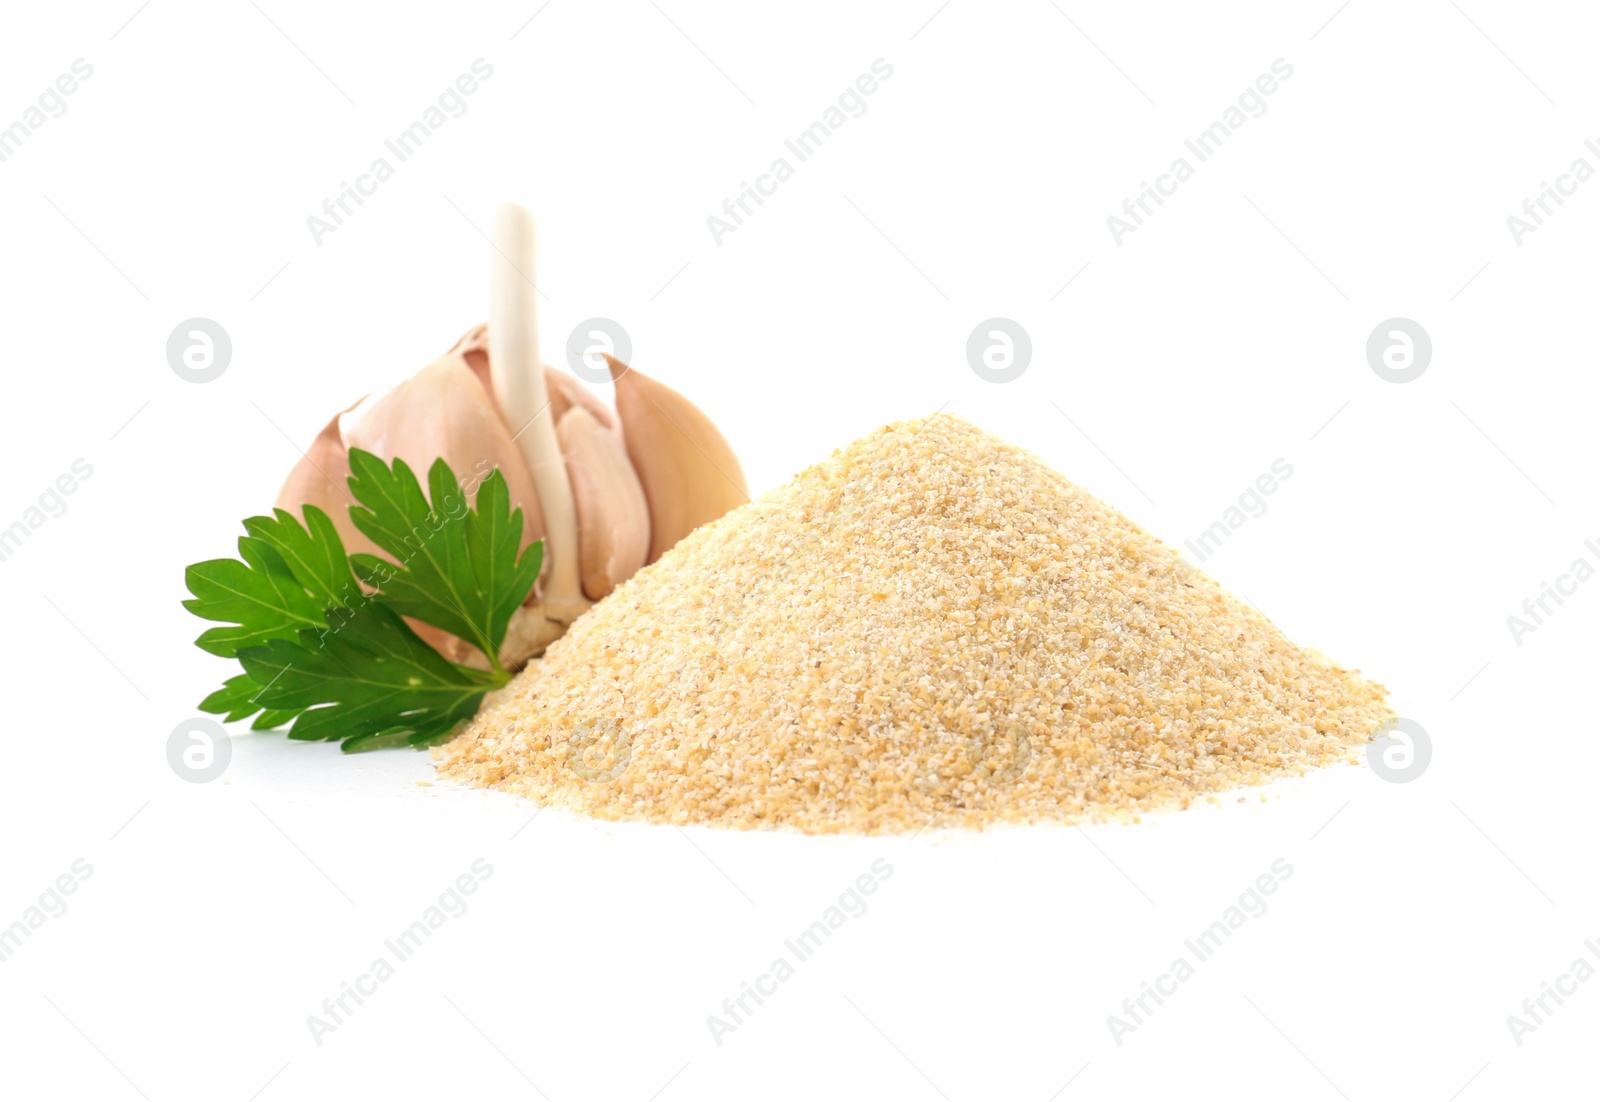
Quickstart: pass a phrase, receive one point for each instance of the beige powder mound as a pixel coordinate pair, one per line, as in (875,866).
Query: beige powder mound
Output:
(930,624)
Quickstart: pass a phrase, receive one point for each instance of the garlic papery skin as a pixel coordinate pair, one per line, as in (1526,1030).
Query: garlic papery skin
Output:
(519,385)
(321,478)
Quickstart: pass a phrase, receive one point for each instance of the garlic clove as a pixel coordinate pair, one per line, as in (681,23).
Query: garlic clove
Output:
(444,412)
(689,473)
(567,392)
(613,517)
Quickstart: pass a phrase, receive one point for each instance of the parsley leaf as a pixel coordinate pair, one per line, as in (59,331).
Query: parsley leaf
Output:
(314,553)
(234,700)
(237,700)
(459,568)
(370,680)
(260,599)
(291,575)
(320,633)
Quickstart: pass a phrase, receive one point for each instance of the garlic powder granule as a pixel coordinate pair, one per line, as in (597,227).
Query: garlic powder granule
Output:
(931,624)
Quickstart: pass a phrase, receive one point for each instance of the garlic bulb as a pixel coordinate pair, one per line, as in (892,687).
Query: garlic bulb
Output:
(607,491)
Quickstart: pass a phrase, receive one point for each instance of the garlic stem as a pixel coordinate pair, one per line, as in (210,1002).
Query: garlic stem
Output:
(518,377)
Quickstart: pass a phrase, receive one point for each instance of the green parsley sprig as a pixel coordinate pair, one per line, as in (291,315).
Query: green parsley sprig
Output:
(319,632)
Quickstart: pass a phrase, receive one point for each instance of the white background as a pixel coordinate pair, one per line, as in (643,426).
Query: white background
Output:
(1227,332)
